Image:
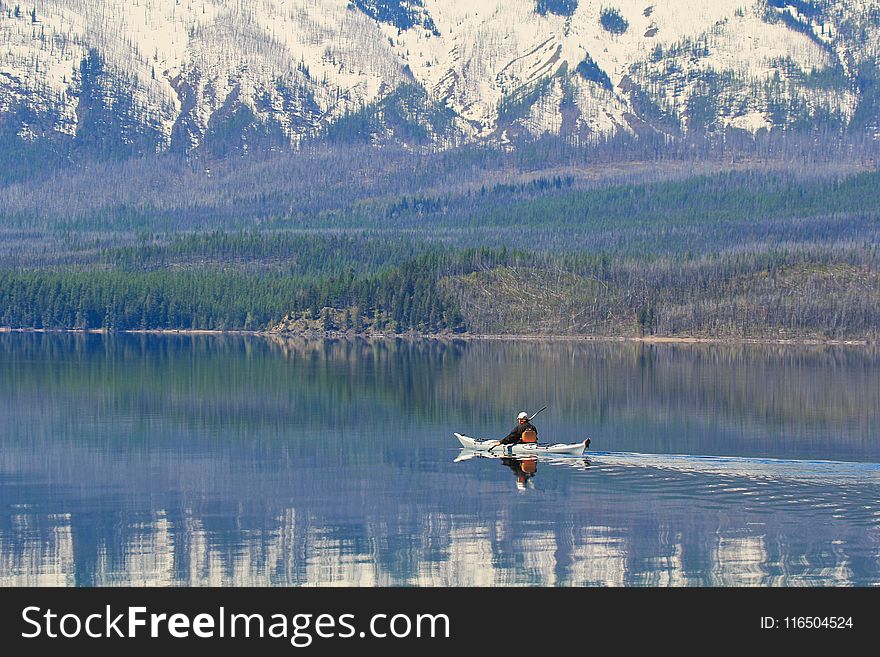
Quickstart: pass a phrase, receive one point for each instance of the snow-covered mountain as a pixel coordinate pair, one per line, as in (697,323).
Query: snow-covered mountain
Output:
(143,75)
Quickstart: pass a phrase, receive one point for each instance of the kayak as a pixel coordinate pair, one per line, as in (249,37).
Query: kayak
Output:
(524,449)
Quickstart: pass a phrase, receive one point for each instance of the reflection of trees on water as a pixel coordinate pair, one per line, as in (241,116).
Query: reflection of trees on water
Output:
(396,374)
(595,381)
(205,382)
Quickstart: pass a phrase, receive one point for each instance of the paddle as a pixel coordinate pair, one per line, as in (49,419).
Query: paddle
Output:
(530,419)
(536,414)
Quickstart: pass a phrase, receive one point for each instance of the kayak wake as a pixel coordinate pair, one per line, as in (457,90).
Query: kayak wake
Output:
(838,472)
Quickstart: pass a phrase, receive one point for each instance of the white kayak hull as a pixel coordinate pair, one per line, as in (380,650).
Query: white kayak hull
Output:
(520,449)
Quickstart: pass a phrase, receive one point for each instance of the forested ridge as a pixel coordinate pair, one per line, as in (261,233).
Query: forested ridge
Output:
(746,251)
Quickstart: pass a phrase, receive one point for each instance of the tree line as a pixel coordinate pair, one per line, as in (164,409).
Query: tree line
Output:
(406,298)
(735,253)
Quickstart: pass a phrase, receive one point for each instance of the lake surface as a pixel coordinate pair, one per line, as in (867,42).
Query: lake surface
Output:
(216,460)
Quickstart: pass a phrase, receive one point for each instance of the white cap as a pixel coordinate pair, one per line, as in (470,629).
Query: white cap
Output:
(522,416)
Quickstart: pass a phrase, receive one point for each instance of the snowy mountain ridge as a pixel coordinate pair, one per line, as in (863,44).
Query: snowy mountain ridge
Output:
(154,75)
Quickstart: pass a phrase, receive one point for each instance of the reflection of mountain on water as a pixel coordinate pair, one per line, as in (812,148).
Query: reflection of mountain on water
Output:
(206,460)
(295,552)
(237,520)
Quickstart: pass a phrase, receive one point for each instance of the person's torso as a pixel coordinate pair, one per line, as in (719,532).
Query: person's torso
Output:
(526,426)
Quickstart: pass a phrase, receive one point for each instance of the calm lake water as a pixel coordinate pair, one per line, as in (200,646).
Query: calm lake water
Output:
(207,460)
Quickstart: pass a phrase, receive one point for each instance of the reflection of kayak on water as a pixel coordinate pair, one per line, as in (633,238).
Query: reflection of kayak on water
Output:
(525,467)
(468,454)
(522,449)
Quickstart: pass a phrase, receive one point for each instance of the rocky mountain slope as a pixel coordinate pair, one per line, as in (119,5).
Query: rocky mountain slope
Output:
(120,77)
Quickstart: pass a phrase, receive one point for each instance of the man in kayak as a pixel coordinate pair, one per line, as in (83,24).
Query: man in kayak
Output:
(515,436)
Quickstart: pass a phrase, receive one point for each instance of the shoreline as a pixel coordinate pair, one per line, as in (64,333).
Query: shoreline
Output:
(658,339)
(648,339)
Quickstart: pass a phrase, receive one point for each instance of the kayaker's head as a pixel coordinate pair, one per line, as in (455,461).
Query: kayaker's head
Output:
(523,417)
